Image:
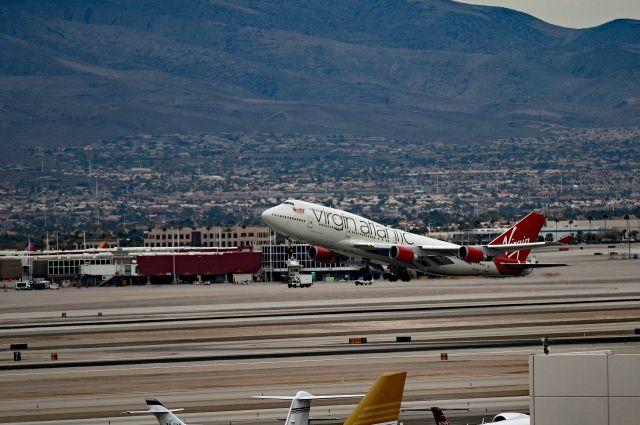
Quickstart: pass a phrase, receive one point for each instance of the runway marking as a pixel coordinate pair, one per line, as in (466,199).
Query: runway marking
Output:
(333,359)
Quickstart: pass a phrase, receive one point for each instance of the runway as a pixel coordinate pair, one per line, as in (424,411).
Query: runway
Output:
(210,348)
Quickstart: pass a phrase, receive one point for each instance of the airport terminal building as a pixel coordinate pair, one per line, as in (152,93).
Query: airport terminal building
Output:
(158,265)
(130,266)
(274,264)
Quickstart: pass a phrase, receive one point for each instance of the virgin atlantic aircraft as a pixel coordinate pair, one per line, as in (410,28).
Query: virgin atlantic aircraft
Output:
(336,236)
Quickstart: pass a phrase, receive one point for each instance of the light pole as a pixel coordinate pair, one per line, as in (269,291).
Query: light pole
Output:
(175,278)
(626,217)
(589,218)
(605,225)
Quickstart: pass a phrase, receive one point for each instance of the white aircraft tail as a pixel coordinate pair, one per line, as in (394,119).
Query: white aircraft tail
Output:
(301,405)
(381,404)
(299,411)
(163,415)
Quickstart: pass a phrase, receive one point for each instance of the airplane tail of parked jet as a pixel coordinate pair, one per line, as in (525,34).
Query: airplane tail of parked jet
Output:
(163,415)
(439,416)
(523,232)
(566,240)
(381,405)
(301,405)
(299,410)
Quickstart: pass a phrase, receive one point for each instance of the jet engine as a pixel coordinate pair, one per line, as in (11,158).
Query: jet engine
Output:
(402,254)
(471,254)
(509,416)
(321,254)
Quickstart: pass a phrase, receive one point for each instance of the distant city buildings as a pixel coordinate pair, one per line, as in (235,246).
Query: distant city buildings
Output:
(116,187)
(207,236)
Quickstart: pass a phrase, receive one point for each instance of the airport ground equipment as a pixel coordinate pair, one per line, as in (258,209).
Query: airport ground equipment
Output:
(300,281)
(294,278)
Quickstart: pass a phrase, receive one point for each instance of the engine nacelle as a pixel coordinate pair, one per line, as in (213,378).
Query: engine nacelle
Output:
(321,254)
(471,254)
(402,254)
(508,416)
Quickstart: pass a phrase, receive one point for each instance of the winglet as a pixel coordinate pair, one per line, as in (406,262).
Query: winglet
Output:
(381,405)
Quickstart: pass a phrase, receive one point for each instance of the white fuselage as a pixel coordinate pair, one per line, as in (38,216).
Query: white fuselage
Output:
(340,231)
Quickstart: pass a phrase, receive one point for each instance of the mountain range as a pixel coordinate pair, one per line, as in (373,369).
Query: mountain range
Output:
(77,71)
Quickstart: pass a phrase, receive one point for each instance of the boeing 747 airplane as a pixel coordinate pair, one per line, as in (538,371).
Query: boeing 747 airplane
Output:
(336,236)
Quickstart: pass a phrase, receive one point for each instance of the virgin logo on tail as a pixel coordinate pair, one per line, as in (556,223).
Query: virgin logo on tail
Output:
(524,231)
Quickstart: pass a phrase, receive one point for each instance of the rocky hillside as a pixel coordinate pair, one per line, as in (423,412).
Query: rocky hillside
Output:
(76,71)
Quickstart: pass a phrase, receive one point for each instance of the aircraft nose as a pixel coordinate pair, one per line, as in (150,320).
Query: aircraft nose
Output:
(267,216)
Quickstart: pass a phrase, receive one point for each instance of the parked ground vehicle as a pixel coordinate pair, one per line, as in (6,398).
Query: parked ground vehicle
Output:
(300,281)
(40,284)
(364,282)
(21,286)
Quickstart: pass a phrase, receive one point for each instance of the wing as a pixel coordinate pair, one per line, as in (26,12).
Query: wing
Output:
(447,249)
(422,250)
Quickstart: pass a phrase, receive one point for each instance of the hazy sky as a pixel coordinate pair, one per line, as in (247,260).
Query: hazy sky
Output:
(571,13)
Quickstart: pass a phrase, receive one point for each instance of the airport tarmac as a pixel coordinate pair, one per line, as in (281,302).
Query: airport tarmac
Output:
(210,348)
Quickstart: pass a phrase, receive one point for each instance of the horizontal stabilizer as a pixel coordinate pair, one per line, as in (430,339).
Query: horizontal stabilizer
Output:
(525,266)
(140,412)
(308,397)
(509,247)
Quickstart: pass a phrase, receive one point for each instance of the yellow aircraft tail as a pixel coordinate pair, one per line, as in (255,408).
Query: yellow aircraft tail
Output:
(381,405)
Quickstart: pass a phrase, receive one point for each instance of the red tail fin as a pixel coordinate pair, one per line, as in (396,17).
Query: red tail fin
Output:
(440,418)
(524,231)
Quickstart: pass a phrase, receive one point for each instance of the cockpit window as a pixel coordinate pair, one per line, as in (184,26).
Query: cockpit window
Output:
(288,202)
